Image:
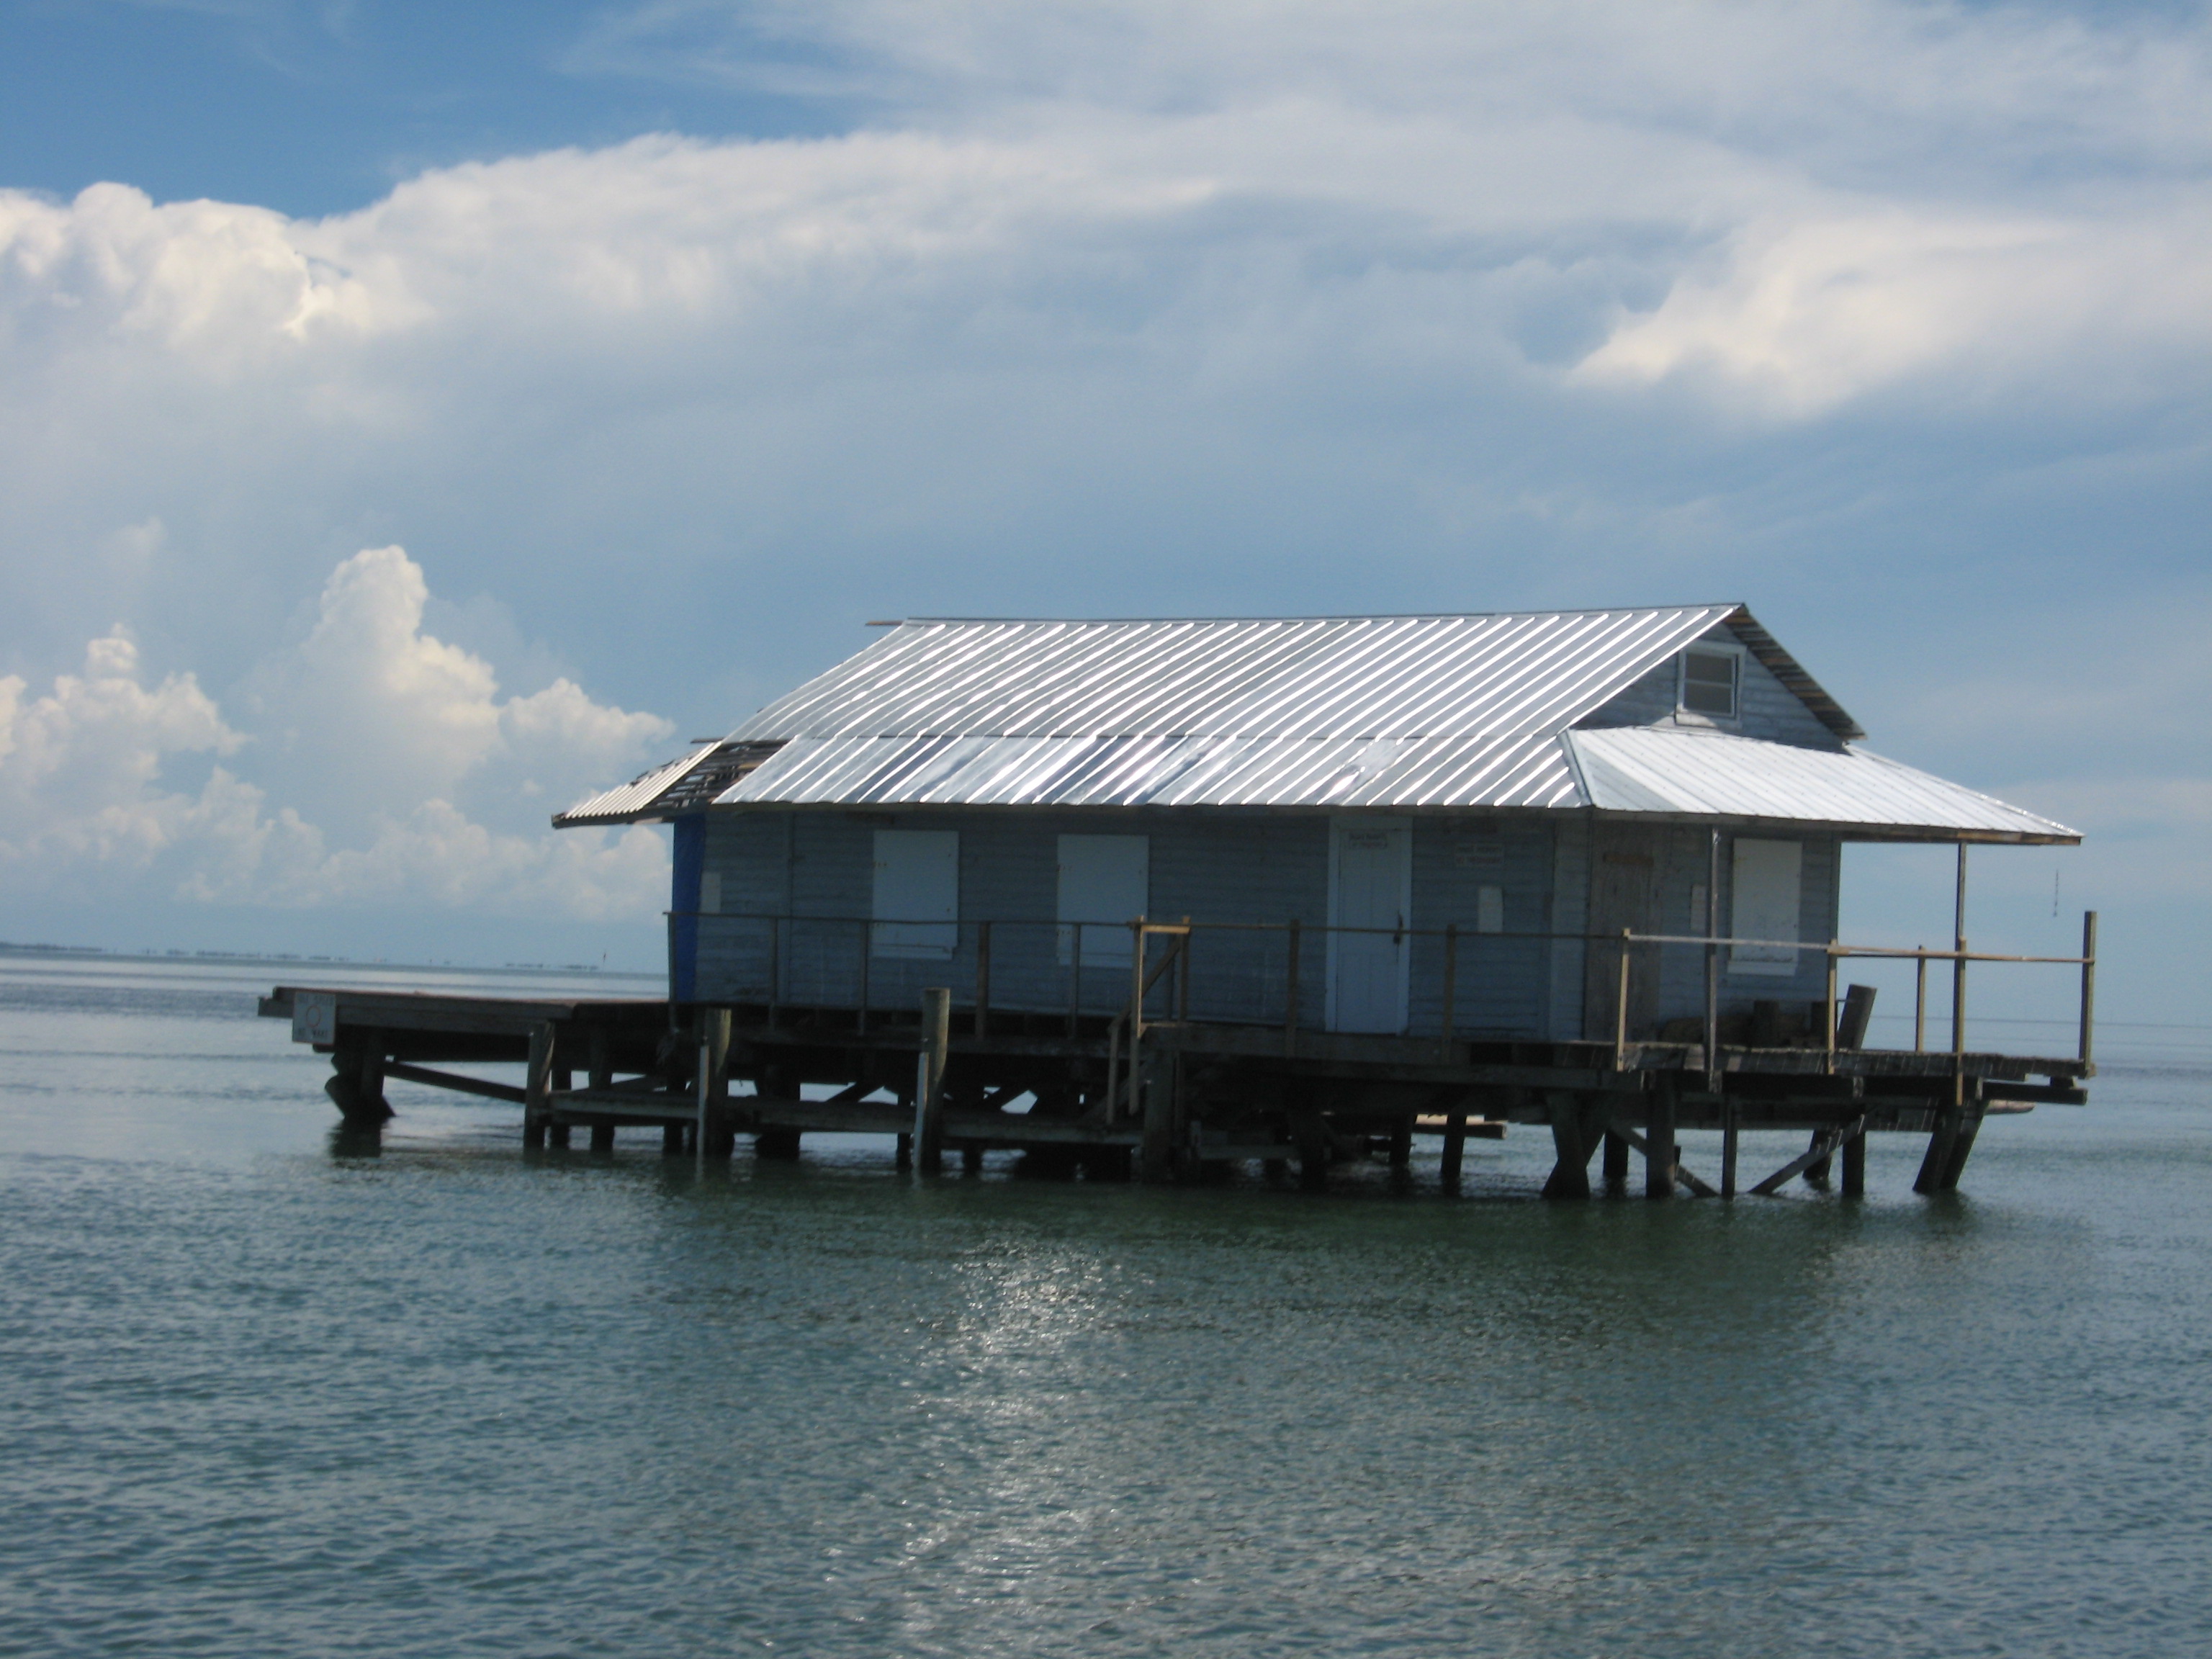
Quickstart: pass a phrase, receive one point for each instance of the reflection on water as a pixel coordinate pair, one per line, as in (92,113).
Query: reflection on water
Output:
(271,1390)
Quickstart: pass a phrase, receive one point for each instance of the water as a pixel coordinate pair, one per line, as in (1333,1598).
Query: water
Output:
(259,1398)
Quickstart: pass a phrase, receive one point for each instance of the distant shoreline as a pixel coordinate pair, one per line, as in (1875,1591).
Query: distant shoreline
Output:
(289,959)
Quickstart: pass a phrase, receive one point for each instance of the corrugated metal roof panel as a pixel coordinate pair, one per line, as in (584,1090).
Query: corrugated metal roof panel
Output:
(1524,769)
(1699,775)
(686,786)
(626,803)
(1318,677)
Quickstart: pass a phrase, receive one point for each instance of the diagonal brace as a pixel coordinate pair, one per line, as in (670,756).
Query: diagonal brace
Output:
(1824,1146)
(1682,1177)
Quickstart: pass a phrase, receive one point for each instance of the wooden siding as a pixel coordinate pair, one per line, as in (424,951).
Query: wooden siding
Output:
(1571,876)
(1500,983)
(1767,709)
(1235,867)
(1263,867)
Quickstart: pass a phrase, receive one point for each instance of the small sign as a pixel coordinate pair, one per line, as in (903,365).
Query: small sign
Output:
(314,1017)
(1480,854)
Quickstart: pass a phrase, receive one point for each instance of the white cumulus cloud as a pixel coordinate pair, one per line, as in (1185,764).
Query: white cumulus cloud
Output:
(386,728)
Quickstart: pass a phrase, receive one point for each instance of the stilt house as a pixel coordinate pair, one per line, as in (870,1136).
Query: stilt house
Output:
(1388,825)
(1163,898)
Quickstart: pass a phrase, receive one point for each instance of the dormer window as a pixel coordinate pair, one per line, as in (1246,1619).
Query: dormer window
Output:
(1709,680)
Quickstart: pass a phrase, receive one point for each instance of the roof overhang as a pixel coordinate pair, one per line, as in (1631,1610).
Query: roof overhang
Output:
(1705,777)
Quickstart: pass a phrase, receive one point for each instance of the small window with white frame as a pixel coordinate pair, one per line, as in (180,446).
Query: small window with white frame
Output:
(1712,679)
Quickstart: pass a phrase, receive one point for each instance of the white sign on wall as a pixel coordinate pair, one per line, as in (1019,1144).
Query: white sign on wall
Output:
(314,1017)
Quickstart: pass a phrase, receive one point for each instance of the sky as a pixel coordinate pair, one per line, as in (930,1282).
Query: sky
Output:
(413,417)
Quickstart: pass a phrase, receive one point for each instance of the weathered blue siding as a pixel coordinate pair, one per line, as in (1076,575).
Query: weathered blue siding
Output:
(1247,867)
(1767,708)
(1224,866)
(688,860)
(1501,983)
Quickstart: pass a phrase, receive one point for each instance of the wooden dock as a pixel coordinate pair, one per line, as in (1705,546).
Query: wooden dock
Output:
(1166,1099)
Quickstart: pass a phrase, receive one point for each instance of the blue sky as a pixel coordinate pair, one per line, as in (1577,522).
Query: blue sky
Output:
(672,341)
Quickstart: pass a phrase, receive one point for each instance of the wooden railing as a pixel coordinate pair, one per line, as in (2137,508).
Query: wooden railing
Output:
(1128,1009)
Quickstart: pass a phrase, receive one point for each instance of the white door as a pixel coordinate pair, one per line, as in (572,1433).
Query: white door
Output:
(1104,878)
(1768,883)
(1372,887)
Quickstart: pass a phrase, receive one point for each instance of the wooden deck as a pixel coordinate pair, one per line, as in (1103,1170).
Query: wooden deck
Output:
(1189,1098)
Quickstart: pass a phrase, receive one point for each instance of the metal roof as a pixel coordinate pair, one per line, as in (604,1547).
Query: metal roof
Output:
(1707,775)
(1374,712)
(1309,678)
(689,784)
(1513,769)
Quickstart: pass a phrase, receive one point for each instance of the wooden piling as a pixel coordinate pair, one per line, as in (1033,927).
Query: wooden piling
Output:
(1659,1156)
(1310,1133)
(1962,1146)
(1155,1158)
(1571,1147)
(717,1136)
(929,1079)
(1935,1163)
(1615,1167)
(1855,1151)
(1454,1153)
(537,1081)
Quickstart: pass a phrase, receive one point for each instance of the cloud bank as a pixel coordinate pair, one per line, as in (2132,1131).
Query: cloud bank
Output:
(1885,317)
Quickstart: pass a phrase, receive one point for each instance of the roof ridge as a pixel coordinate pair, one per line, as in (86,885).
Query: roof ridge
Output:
(1348,616)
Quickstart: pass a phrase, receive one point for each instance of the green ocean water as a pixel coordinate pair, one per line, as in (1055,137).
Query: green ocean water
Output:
(257,1397)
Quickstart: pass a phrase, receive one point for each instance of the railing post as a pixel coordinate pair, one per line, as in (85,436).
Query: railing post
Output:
(1182,973)
(1451,991)
(1959,986)
(982,979)
(1621,1011)
(1959,1025)
(670,916)
(1291,997)
(1075,978)
(775,967)
(1713,990)
(1136,1012)
(1920,1000)
(929,1078)
(1831,1020)
(2088,983)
